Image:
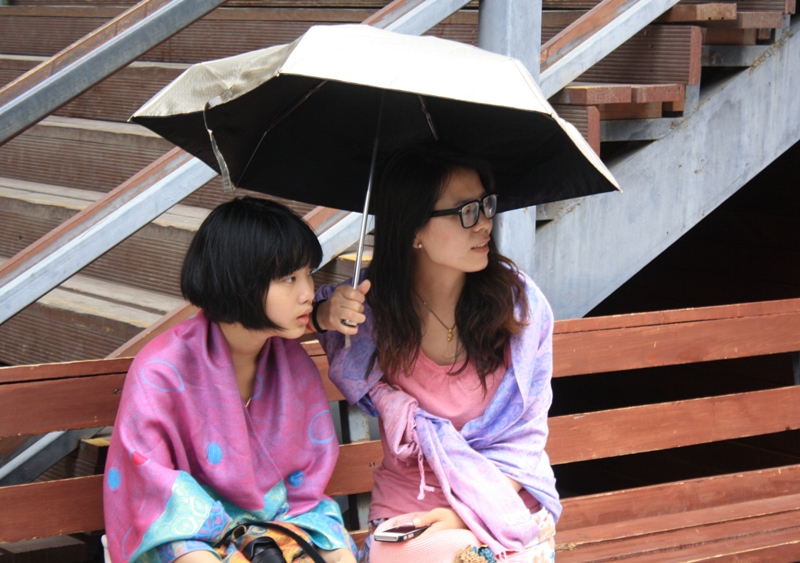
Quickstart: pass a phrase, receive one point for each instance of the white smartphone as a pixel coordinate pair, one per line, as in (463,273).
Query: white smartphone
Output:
(400,533)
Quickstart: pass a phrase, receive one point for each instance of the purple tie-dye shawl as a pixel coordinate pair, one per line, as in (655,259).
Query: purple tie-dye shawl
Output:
(188,459)
(508,440)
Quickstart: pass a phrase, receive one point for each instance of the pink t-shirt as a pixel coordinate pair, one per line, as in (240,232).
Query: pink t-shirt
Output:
(458,398)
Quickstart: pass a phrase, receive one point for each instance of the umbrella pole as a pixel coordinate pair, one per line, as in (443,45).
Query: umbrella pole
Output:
(365,215)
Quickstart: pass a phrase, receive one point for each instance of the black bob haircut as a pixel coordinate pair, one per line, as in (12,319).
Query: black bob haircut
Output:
(240,248)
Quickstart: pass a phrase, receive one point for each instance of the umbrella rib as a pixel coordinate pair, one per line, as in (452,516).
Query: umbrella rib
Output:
(428,117)
(280,118)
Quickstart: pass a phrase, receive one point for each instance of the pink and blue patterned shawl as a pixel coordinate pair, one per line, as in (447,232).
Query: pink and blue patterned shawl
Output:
(188,460)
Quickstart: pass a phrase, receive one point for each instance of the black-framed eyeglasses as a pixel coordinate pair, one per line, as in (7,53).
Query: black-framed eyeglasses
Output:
(470,211)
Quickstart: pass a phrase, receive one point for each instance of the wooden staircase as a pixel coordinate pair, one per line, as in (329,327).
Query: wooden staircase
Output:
(86,148)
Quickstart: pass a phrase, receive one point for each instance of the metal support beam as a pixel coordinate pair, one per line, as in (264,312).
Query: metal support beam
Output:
(78,74)
(514,28)
(740,126)
(414,17)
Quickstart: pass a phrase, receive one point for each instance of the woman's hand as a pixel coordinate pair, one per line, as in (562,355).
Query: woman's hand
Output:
(342,555)
(439,519)
(345,303)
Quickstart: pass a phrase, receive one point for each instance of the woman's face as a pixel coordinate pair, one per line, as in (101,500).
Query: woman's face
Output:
(288,302)
(445,243)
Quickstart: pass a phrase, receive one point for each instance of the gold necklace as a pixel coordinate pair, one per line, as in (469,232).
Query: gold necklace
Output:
(449,330)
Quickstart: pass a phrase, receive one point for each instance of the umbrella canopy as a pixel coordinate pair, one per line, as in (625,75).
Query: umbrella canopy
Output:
(299,121)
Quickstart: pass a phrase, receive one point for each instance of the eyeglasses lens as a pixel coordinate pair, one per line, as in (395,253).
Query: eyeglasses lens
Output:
(469,214)
(490,205)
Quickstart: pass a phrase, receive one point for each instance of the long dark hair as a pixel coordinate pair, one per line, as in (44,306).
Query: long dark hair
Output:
(412,182)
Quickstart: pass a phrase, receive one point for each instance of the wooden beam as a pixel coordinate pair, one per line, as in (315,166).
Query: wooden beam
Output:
(754,536)
(610,112)
(588,94)
(586,120)
(698,13)
(353,472)
(638,347)
(639,529)
(569,54)
(44,372)
(661,426)
(53,508)
(47,406)
(751,20)
(677,497)
(580,30)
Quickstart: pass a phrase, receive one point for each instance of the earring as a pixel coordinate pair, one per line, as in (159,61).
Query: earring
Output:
(419,245)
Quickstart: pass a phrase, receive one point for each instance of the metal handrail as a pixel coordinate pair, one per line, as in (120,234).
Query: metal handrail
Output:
(45,88)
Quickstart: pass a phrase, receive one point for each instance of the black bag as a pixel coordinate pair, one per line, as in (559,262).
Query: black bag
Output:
(266,550)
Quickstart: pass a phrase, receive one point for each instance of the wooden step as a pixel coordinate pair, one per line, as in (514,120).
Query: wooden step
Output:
(114,99)
(224,32)
(150,259)
(96,155)
(785,6)
(659,54)
(84,318)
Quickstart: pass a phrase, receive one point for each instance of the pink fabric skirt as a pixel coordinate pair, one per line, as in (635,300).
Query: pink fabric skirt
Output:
(444,546)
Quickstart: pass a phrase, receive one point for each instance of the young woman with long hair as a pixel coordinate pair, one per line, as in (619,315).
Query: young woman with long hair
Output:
(453,352)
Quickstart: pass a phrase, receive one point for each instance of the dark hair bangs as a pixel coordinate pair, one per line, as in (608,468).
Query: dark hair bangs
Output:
(241,247)
(299,248)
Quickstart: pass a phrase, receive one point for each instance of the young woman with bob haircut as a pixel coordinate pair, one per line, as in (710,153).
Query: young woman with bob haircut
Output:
(453,352)
(224,420)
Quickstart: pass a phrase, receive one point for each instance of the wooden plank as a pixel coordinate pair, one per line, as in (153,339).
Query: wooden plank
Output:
(609,112)
(52,508)
(670,425)
(656,55)
(676,545)
(581,94)
(45,406)
(723,36)
(649,93)
(353,472)
(698,13)
(719,312)
(586,120)
(751,20)
(40,372)
(678,497)
(641,527)
(92,41)
(681,343)
(580,30)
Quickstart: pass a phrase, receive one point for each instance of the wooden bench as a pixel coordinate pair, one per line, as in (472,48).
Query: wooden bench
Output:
(741,515)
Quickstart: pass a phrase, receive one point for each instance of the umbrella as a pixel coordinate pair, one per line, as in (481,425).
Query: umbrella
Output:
(310,120)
